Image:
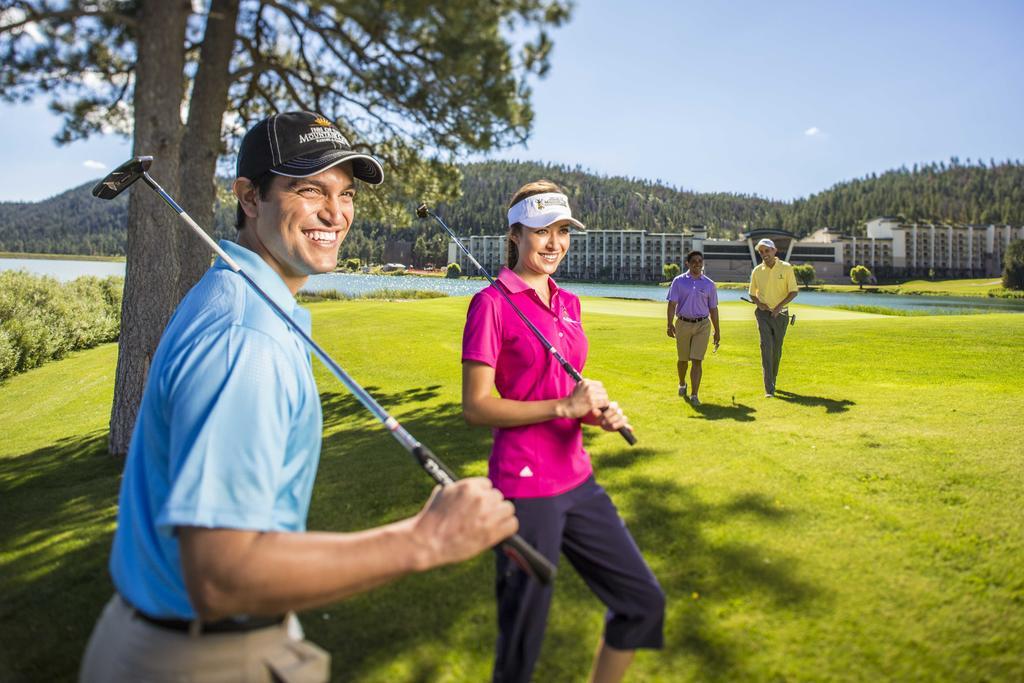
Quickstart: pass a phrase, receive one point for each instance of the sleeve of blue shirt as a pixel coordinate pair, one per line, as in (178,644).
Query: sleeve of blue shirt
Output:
(230,404)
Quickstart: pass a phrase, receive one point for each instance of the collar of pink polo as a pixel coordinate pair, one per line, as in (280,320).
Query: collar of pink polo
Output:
(515,284)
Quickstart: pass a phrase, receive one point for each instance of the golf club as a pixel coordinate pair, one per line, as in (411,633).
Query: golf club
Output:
(792,316)
(515,547)
(422,211)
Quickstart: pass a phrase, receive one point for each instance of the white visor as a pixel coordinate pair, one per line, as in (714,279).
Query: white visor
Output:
(541,210)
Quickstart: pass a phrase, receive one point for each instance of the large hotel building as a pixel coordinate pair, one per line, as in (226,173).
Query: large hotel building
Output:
(890,248)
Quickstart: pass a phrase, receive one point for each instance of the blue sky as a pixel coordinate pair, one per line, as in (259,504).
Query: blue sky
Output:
(780,99)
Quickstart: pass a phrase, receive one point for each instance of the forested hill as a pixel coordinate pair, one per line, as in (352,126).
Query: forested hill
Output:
(608,203)
(73,222)
(953,192)
(76,223)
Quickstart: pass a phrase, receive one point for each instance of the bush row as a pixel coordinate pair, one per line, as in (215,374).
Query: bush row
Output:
(42,319)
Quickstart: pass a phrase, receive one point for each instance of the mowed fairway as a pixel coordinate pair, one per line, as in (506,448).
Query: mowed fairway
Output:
(865,525)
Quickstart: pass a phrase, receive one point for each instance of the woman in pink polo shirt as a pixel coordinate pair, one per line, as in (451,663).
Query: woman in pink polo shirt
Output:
(538,460)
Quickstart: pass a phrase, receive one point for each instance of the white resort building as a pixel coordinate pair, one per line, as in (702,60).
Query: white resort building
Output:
(891,248)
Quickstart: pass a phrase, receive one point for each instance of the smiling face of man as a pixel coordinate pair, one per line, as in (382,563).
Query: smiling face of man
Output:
(299,225)
(695,264)
(767,255)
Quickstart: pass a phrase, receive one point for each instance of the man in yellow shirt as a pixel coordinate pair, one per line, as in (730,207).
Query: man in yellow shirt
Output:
(772,287)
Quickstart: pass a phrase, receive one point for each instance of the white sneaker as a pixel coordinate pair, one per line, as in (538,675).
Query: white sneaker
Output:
(769,395)
(682,391)
(694,401)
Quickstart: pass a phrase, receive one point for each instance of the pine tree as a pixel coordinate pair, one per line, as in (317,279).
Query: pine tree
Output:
(414,83)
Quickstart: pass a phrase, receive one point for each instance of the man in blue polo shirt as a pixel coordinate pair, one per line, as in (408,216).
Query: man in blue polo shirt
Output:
(692,303)
(211,556)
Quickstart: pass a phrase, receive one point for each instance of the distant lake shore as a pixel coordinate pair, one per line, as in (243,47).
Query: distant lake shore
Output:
(60,257)
(357,284)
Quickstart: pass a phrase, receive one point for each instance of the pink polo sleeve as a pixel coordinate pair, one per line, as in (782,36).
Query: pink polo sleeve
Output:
(481,337)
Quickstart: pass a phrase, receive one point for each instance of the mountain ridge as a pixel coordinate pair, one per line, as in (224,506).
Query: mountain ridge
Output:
(73,222)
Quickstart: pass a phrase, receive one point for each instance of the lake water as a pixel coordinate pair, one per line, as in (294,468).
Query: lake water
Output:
(63,270)
(361,284)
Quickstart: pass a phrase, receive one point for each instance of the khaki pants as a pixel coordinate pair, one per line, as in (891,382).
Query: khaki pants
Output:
(124,647)
(773,333)
(692,339)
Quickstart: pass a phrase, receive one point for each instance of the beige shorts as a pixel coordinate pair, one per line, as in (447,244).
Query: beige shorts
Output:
(692,339)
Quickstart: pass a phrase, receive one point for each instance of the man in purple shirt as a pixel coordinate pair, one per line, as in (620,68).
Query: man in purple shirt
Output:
(692,302)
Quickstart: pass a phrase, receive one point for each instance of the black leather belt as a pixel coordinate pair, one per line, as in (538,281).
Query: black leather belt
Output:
(238,625)
(692,320)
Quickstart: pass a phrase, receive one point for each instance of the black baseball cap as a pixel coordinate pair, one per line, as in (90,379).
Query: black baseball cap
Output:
(300,144)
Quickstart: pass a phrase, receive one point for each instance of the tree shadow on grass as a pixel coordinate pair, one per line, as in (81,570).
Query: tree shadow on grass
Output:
(340,408)
(708,580)
(367,479)
(442,624)
(57,504)
(831,405)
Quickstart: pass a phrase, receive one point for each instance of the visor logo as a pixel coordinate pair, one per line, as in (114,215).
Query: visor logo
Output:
(321,121)
(542,203)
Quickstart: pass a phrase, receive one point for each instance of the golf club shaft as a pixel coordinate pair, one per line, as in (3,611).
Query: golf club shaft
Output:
(519,550)
(626,432)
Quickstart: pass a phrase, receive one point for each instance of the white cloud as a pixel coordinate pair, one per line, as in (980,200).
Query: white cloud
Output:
(813,131)
(94,165)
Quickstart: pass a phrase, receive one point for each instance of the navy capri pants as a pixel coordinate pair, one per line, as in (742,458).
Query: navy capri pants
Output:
(584,524)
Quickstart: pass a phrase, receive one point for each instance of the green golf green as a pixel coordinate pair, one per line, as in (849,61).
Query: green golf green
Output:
(863,525)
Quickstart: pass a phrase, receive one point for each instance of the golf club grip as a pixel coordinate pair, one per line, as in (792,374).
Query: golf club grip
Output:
(627,434)
(529,559)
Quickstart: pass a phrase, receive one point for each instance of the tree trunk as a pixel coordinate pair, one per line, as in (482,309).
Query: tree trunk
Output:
(153,269)
(201,146)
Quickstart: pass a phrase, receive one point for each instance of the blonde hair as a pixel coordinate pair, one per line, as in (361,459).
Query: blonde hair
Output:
(527,190)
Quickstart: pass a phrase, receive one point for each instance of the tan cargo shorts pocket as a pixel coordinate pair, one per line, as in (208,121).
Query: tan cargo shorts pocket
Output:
(299,661)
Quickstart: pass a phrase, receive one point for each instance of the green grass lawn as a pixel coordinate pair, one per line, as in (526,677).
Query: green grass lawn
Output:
(865,525)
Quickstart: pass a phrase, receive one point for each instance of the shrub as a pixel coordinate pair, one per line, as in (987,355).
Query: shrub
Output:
(859,275)
(42,319)
(454,271)
(8,354)
(671,270)
(1013,265)
(805,274)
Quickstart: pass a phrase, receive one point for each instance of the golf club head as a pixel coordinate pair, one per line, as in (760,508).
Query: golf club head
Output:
(422,210)
(121,178)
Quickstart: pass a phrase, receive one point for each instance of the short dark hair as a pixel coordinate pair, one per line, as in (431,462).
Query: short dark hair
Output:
(694,253)
(262,183)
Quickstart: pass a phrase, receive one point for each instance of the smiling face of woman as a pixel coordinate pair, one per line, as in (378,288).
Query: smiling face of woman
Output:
(541,250)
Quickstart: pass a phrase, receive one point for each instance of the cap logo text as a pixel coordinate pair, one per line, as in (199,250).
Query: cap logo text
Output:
(320,134)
